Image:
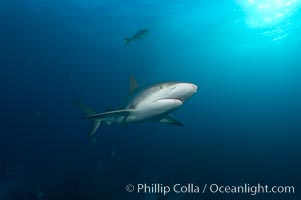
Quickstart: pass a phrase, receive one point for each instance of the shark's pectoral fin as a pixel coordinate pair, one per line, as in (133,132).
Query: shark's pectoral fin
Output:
(111,114)
(169,119)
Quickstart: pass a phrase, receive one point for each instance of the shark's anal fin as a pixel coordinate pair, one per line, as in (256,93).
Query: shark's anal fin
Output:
(133,85)
(169,119)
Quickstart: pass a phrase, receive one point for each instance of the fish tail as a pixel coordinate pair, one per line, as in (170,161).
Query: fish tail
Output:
(127,41)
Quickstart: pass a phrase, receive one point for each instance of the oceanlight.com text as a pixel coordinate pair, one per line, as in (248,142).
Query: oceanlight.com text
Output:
(193,188)
(251,189)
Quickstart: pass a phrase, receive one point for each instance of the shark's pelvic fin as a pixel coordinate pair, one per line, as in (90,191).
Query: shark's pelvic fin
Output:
(111,114)
(87,112)
(133,85)
(169,119)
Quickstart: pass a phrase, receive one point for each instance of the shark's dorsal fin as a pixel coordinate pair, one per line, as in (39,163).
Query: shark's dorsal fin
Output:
(133,85)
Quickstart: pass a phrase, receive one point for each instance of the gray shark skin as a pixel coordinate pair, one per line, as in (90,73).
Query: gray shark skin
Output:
(137,36)
(153,103)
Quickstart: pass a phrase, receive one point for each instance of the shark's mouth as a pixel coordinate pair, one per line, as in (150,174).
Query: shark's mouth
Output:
(179,99)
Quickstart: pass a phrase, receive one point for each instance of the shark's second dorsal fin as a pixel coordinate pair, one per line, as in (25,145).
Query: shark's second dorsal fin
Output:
(133,84)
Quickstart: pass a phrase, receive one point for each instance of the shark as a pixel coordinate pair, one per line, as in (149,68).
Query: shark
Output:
(153,103)
(137,36)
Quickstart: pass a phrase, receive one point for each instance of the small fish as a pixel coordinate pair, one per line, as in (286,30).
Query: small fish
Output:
(137,36)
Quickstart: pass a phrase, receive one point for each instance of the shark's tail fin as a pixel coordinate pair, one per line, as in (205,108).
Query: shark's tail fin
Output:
(87,112)
(127,41)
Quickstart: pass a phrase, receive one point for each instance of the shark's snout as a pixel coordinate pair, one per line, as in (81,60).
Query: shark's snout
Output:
(188,87)
(184,91)
(195,87)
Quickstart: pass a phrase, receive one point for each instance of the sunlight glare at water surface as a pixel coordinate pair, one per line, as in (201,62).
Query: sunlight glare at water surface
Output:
(275,17)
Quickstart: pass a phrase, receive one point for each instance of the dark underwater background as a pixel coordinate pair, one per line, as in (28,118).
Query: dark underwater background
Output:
(242,126)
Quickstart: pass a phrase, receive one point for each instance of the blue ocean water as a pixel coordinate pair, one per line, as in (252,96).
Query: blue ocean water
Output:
(242,126)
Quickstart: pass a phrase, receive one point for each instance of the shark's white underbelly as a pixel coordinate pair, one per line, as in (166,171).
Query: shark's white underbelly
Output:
(149,110)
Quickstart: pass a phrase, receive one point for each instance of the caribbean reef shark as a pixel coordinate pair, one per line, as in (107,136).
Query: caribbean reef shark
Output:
(153,103)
